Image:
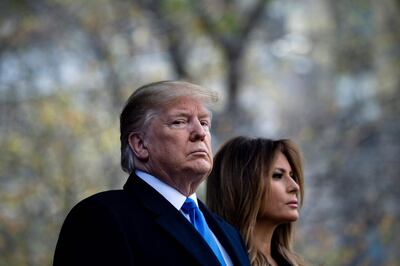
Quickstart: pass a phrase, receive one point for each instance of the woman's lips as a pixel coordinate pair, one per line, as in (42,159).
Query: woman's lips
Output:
(293,204)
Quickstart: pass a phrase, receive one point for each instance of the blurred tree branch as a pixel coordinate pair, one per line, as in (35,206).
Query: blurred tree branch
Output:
(232,39)
(168,26)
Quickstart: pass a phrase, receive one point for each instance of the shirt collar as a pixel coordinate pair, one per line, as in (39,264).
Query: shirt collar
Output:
(169,193)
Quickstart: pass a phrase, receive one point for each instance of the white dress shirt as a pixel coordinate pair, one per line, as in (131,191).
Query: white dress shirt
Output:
(177,199)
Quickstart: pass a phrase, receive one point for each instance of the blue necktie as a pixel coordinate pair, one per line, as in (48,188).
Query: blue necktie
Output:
(199,222)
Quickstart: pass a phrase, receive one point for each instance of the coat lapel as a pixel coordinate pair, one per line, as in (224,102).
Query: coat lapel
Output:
(231,241)
(171,220)
(185,234)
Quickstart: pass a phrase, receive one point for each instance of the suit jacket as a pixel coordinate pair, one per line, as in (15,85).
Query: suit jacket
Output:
(138,226)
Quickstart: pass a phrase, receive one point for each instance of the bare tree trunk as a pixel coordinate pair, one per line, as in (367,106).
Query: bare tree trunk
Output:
(233,46)
(174,36)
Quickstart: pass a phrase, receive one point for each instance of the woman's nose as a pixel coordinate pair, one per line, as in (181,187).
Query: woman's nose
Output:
(293,187)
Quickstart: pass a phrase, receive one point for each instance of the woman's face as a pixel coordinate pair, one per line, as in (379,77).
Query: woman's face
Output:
(280,205)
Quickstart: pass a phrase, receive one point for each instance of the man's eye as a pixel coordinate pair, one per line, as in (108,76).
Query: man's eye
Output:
(178,123)
(205,124)
(277,175)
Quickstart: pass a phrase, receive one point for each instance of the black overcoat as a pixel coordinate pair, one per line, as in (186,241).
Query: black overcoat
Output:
(138,226)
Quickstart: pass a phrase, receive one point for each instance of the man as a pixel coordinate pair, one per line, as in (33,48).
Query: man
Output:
(154,220)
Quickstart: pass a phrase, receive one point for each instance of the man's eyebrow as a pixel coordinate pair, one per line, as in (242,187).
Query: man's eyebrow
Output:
(206,112)
(179,112)
(184,112)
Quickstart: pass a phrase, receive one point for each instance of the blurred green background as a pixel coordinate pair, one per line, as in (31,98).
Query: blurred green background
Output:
(325,73)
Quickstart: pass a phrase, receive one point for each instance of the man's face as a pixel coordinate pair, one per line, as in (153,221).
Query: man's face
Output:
(178,141)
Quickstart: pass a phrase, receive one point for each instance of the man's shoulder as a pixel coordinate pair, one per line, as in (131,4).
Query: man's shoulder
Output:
(103,200)
(113,206)
(105,196)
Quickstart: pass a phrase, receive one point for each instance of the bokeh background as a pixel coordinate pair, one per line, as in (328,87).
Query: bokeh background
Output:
(325,73)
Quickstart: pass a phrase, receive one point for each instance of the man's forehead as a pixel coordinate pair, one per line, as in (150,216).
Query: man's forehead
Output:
(188,111)
(186,106)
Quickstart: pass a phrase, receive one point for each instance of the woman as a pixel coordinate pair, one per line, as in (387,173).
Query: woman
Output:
(257,186)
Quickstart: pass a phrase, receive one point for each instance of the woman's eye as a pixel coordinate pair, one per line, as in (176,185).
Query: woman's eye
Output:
(277,175)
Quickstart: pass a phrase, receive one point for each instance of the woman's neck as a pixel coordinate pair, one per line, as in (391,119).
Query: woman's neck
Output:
(262,236)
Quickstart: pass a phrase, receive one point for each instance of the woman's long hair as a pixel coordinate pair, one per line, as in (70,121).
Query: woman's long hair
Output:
(236,189)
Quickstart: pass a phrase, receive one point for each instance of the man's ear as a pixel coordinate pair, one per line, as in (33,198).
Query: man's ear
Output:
(138,146)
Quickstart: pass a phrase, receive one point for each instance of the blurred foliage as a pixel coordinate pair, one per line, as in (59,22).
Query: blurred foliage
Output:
(324,73)
(43,172)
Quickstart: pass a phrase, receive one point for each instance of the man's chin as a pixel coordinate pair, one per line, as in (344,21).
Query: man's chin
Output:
(201,168)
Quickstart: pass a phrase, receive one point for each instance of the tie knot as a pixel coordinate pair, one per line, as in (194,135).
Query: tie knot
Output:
(188,206)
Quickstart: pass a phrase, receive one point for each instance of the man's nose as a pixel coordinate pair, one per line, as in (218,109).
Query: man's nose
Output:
(198,132)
